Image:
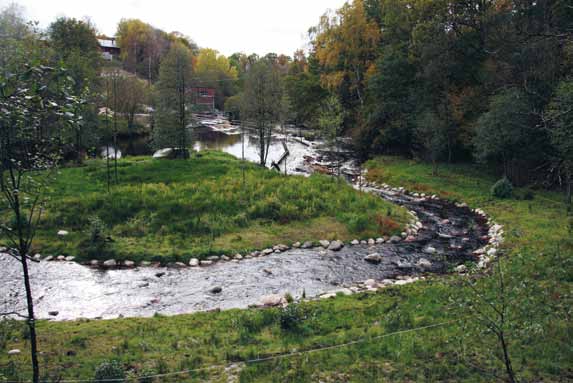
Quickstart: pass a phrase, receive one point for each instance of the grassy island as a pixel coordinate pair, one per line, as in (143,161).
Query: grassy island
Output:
(173,210)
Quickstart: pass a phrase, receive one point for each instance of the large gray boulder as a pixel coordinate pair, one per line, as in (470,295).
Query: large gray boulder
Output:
(335,245)
(171,153)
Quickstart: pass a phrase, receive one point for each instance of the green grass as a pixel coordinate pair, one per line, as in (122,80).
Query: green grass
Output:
(174,210)
(538,266)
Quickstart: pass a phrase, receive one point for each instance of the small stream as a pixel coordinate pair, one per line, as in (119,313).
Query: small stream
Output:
(77,291)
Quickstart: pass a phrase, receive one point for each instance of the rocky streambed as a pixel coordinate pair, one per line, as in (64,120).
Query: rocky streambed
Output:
(442,237)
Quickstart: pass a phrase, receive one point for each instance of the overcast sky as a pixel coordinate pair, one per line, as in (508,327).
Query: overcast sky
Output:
(258,26)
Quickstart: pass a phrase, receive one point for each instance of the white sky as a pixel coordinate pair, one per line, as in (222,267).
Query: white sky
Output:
(250,26)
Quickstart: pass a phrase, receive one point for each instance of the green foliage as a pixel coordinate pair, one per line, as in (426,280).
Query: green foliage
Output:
(75,43)
(109,370)
(174,210)
(292,317)
(502,188)
(96,229)
(505,133)
(171,117)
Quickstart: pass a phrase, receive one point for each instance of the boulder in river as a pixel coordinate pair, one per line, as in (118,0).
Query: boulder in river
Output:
(268,251)
(296,245)
(48,258)
(335,245)
(129,263)
(193,262)
(273,300)
(70,258)
(430,250)
(171,153)
(110,263)
(324,243)
(395,239)
(373,258)
(53,313)
(307,245)
(371,241)
(355,242)
(216,290)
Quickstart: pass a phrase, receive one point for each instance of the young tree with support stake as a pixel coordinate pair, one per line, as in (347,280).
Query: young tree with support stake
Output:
(37,117)
(261,103)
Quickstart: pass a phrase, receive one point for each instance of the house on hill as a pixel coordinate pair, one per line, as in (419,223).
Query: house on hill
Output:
(203,99)
(108,47)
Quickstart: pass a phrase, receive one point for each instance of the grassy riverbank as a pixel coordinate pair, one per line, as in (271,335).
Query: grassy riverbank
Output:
(173,210)
(538,272)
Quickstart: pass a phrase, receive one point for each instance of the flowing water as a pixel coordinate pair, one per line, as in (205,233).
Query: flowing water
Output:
(77,291)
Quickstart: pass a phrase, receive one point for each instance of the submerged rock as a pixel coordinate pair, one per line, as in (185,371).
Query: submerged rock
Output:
(395,239)
(373,258)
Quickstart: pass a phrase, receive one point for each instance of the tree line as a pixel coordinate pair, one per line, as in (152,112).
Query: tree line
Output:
(479,80)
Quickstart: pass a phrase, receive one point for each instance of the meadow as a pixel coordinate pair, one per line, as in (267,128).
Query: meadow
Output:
(173,210)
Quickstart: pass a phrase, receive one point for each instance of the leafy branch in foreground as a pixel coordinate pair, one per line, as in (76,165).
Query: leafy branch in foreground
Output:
(37,107)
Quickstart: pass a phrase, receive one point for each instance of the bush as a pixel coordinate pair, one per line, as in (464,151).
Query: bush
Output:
(291,317)
(96,229)
(502,188)
(109,370)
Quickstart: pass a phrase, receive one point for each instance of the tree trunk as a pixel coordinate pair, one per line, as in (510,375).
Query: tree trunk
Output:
(31,321)
(506,359)
(262,145)
(23,250)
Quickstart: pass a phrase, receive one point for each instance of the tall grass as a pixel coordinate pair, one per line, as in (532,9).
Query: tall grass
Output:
(173,210)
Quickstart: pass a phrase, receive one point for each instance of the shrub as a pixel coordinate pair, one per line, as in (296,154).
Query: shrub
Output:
(109,370)
(291,317)
(502,188)
(96,229)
